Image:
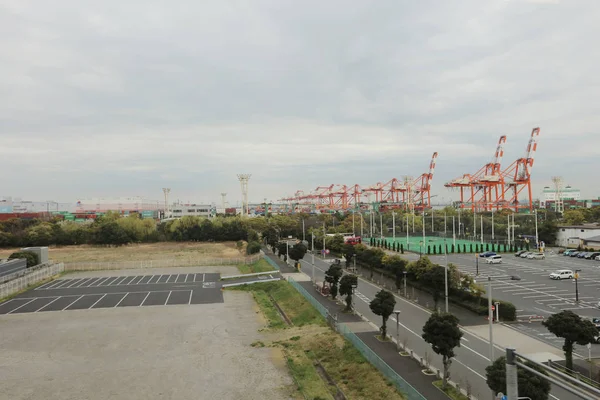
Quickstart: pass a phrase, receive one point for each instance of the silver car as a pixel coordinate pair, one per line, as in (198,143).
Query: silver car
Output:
(536,256)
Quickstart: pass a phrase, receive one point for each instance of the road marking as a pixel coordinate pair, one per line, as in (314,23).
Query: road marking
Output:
(73,302)
(92,306)
(195,277)
(142,303)
(120,301)
(44,285)
(167,298)
(203,276)
(46,305)
(120,281)
(80,283)
(54,283)
(190,300)
(150,280)
(99,283)
(63,283)
(22,305)
(169,278)
(93,282)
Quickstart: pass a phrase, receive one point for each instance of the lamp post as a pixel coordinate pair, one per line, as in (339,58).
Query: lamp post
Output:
(287,250)
(354,286)
(354,258)
(313,256)
(497,304)
(394,226)
(420,249)
(405,272)
(577,271)
(397,312)
(446,275)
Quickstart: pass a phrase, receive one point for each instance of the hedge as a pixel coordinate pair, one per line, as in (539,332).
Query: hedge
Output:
(32,258)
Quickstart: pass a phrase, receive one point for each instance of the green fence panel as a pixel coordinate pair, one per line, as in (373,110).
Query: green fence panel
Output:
(273,263)
(406,388)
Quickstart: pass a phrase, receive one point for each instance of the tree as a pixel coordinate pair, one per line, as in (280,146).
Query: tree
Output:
(298,251)
(347,285)
(253,248)
(31,257)
(282,249)
(441,331)
(111,233)
(452,248)
(383,304)
(435,278)
(402,248)
(332,276)
(574,217)
(530,385)
(571,327)
(471,248)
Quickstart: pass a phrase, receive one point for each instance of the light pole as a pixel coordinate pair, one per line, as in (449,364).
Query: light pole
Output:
(324,253)
(577,271)
(394,226)
(303,235)
(287,249)
(481,230)
(446,275)
(380,224)
(420,249)
(490,318)
(407,238)
(423,225)
(537,240)
(313,256)
(497,304)
(404,272)
(492,224)
(354,258)
(453,232)
(397,312)
(354,286)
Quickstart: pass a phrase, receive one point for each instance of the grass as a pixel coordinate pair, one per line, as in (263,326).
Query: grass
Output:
(137,252)
(450,391)
(260,266)
(309,340)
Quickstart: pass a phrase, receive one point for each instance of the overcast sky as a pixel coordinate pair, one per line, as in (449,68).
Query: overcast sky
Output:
(122,98)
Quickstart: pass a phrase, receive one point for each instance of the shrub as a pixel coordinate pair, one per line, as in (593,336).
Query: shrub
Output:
(32,258)
(507,311)
(253,248)
(428,249)
(487,247)
(452,248)
(402,248)
(434,249)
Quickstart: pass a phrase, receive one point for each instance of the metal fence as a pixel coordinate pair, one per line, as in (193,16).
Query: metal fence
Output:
(406,388)
(273,263)
(25,281)
(164,263)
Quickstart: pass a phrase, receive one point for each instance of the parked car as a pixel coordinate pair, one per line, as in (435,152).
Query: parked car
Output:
(562,274)
(537,256)
(574,254)
(518,253)
(487,254)
(597,258)
(592,256)
(495,259)
(568,252)
(527,253)
(582,254)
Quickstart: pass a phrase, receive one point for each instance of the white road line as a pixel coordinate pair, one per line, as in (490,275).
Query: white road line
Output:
(101,281)
(81,282)
(121,300)
(73,302)
(150,280)
(62,284)
(75,281)
(44,285)
(22,305)
(159,278)
(93,282)
(117,283)
(203,276)
(186,278)
(46,305)
(55,283)
(535,295)
(168,279)
(195,277)
(167,298)
(135,280)
(92,306)
(190,300)
(142,303)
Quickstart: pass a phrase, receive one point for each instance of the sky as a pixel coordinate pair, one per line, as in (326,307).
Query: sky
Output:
(122,98)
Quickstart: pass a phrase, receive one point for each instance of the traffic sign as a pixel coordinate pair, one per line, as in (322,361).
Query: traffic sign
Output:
(576,275)
(493,308)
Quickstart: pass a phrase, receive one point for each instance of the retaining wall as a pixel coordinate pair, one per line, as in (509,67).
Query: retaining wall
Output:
(18,284)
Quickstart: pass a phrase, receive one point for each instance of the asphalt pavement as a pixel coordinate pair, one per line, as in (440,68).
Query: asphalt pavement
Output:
(471,358)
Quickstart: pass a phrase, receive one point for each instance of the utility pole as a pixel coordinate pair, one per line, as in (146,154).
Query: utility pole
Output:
(423,226)
(397,312)
(313,256)
(513,228)
(407,238)
(446,274)
(361,226)
(474,226)
(491,319)
(537,240)
(512,381)
(303,235)
(459,222)
(445,225)
(492,224)
(432,227)
(380,224)
(394,226)
(481,230)
(324,254)
(577,271)
(508,229)
(353,230)
(453,232)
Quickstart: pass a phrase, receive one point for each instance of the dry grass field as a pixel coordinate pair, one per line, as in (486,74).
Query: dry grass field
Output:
(136,252)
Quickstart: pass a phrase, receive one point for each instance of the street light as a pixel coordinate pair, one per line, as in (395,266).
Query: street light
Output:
(397,312)
(420,248)
(354,286)
(577,271)
(405,272)
(446,275)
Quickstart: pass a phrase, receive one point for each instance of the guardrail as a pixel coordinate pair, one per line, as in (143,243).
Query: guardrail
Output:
(18,284)
(11,267)
(406,388)
(247,275)
(251,282)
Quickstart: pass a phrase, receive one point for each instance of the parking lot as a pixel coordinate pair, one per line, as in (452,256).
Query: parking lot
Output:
(118,291)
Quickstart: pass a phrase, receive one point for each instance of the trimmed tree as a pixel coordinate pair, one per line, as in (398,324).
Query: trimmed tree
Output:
(428,249)
(347,284)
(452,248)
(383,304)
(530,385)
(401,248)
(571,327)
(434,250)
(332,276)
(31,258)
(464,247)
(435,279)
(441,331)
(471,248)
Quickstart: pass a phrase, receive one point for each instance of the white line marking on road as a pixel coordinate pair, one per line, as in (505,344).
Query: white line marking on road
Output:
(150,280)
(142,303)
(190,300)
(73,302)
(56,282)
(22,305)
(195,277)
(80,283)
(169,278)
(44,285)
(117,283)
(186,278)
(46,305)
(73,282)
(99,283)
(97,301)
(167,298)
(203,277)
(120,301)
(93,282)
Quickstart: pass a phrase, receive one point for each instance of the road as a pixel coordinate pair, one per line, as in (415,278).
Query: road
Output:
(536,294)
(471,358)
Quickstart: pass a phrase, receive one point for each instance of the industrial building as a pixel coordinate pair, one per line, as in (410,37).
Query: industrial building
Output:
(9,205)
(577,235)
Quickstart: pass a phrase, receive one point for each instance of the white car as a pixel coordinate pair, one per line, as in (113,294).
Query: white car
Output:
(597,258)
(526,254)
(562,274)
(494,259)
(536,256)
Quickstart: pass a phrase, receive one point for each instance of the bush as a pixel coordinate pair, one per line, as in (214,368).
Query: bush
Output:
(464,248)
(508,312)
(253,248)
(471,248)
(458,248)
(402,248)
(434,249)
(487,247)
(32,258)
(428,249)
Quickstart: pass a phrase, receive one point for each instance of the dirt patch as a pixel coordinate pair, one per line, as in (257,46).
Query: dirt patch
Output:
(138,252)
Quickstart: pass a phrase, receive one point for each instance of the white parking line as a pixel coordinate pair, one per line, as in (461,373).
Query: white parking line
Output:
(169,278)
(122,299)
(534,296)
(195,275)
(45,285)
(73,302)
(135,280)
(98,300)
(46,305)
(190,300)
(74,282)
(85,281)
(150,280)
(101,281)
(168,298)
(118,282)
(93,282)
(22,305)
(203,276)
(142,303)
(55,283)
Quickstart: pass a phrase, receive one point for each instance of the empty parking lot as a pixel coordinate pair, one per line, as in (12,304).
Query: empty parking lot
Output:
(118,291)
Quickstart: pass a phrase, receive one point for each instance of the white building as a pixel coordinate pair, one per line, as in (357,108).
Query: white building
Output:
(9,205)
(121,204)
(575,235)
(567,193)
(179,210)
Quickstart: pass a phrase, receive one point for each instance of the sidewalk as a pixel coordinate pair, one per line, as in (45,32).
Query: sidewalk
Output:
(408,368)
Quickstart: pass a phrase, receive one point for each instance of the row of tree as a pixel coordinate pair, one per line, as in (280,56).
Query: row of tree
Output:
(450,248)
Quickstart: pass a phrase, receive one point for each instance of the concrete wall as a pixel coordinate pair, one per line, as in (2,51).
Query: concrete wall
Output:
(12,266)
(184,262)
(16,285)
(42,253)
(571,236)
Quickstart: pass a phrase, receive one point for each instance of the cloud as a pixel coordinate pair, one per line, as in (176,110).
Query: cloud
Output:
(123,98)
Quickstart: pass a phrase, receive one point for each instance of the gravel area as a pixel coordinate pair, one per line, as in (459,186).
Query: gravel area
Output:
(131,353)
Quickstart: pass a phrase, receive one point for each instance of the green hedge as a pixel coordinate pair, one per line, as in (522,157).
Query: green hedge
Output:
(32,258)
